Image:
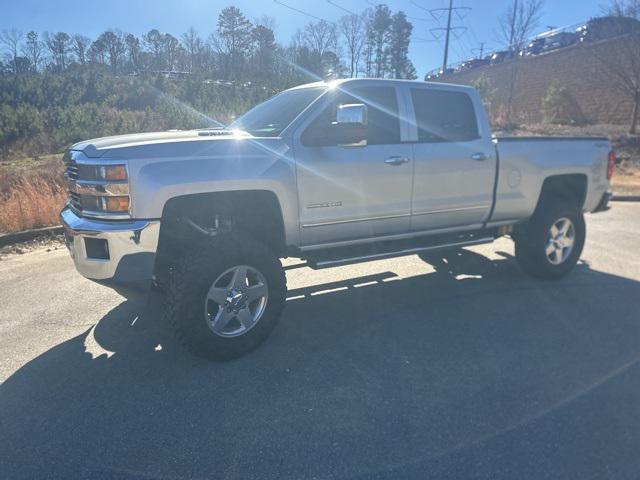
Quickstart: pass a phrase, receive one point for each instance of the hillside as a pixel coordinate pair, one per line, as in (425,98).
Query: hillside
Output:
(43,114)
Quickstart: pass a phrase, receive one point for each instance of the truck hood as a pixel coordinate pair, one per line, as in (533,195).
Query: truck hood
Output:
(160,144)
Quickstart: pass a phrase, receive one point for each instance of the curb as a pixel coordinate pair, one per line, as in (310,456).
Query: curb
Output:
(25,235)
(625,198)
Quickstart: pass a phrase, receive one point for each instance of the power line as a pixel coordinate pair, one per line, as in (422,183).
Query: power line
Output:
(330,2)
(299,11)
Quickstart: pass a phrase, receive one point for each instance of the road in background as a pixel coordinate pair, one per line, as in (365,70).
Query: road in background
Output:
(391,369)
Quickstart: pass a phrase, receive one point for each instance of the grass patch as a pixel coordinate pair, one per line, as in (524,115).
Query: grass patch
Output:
(31,193)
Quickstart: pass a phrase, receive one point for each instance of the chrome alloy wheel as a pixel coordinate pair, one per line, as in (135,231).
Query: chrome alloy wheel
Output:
(236,301)
(560,242)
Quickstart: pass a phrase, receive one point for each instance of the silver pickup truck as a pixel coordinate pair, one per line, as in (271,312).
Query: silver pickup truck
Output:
(333,173)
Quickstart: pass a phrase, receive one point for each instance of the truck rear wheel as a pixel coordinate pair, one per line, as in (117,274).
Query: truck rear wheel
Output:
(550,245)
(225,299)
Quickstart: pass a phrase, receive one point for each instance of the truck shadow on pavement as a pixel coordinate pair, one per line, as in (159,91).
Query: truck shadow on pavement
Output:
(376,376)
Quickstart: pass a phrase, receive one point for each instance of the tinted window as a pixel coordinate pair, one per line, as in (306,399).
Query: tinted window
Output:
(444,116)
(382,105)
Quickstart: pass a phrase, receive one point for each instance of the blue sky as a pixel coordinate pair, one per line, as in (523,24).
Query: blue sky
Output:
(175,16)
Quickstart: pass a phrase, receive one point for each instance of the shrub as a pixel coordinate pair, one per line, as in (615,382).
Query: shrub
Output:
(559,107)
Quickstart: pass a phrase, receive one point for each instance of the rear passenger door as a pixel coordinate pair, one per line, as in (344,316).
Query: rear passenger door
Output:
(454,159)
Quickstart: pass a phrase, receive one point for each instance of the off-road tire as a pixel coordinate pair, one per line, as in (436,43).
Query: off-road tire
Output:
(531,241)
(189,282)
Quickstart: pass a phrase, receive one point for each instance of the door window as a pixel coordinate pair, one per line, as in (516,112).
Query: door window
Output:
(444,116)
(382,105)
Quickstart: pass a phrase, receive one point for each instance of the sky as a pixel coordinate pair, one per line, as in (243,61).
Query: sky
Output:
(90,18)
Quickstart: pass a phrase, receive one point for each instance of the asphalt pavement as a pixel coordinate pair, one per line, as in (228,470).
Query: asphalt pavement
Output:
(461,368)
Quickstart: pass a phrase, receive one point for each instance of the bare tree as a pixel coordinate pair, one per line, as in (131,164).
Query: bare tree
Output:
(97,51)
(171,50)
(518,21)
(622,67)
(321,36)
(59,45)
(193,46)
(516,25)
(114,46)
(133,51)
(153,41)
(10,40)
(80,46)
(33,49)
(623,8)
(353,29)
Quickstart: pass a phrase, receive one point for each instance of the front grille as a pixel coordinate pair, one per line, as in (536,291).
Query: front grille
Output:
(72,167)
(71,175)
(75,201)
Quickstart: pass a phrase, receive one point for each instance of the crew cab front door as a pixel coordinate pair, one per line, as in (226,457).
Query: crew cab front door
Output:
(355,191)
(454,160)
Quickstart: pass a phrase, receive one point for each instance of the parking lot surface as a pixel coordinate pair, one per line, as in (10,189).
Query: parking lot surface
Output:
(458,368)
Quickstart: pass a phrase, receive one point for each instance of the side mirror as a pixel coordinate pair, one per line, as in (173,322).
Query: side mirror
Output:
(350,127)
(352,113)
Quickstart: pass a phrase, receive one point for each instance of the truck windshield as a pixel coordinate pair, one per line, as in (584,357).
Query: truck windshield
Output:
(270,118)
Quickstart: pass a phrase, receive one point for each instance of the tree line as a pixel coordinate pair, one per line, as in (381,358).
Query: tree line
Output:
(374,43)
(57,88)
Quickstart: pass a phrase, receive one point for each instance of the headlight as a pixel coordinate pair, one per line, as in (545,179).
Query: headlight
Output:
(94,202)
(113,173)
(100,191)
(103,204)
(102,173)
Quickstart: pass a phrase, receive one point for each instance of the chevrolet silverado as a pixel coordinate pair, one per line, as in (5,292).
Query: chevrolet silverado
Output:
(333,173)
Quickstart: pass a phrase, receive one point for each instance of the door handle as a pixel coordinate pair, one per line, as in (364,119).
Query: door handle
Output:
(480,157)
(397,160)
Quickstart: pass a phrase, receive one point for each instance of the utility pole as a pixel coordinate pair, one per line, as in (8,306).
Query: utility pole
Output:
(446,39)
(437,13)
(512,27)
(481,49)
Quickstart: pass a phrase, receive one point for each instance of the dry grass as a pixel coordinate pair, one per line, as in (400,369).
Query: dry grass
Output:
(31,196)
(626,182)
(31,204)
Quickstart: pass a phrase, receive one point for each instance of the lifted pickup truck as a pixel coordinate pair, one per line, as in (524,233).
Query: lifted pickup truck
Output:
(333,173)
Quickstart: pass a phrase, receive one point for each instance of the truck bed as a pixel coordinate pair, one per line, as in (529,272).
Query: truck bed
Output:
(525,162)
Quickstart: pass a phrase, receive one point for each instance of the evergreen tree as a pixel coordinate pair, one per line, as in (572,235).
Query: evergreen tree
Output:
(234,40)
(264,53)
(400,65)
(378,35)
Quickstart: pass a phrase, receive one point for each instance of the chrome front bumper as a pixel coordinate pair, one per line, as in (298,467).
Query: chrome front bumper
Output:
(128,257)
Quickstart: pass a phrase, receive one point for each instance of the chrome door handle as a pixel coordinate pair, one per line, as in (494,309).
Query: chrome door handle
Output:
(479,156)
(397,160)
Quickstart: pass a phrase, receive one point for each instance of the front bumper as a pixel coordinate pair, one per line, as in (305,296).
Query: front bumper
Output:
(128,257)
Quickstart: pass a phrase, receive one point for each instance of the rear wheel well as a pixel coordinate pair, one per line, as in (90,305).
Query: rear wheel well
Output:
(570,190)
(255,213)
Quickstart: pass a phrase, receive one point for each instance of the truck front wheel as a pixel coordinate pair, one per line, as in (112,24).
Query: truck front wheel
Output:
(550,245)
(225,299)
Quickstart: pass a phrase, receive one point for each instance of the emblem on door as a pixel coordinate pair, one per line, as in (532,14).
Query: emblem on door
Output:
(324,205)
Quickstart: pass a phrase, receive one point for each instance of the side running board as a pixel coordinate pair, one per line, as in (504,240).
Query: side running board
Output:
(330,259)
